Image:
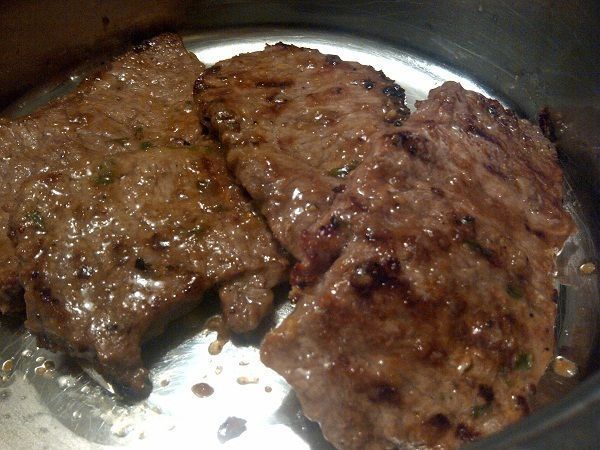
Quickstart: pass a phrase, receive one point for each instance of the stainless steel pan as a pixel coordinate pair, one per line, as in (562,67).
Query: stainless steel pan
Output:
(530,55)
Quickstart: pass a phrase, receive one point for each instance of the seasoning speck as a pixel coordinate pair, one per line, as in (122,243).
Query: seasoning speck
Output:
(218,370)
(268,389)
(564,367)
(202,390)
(164,382)
(231,428)
(587,268)
(247,380)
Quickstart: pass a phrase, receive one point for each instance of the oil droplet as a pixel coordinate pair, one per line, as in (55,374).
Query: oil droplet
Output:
(268,389)
(66,381)
(8,365)
(215,347)
(40,370)
(564,367)
(76,415)
(202,390)
(231,428)
(587,268)
(247,380)
(26,353)
(216,323)
(85,390)
(40,359)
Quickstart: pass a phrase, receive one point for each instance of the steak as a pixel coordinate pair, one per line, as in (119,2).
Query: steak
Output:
(294,123)
(114,247)
(140,98)
(434,318)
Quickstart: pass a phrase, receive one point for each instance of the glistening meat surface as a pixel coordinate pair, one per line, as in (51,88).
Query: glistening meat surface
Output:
(114,248)
(434,320)
(294,123)
(138,98)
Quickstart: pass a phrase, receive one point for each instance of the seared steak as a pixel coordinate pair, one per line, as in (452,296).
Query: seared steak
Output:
(295,122)
(139,99)
(114,247)
(435,321)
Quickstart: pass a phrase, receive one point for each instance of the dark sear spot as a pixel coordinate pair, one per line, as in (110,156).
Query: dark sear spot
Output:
(368,84)
(437,191)
(539,234)
(522,404)
(495,171)
(440,422)
(394,91)
(465,433)
(481,133)
(46,296)
(467,219)
(493,110)
(140,264)
(339,188)
(112,327)
(327,230)
(547,125)
(486,392)
(374,274)
(274,84)
(384,393)
(414,145)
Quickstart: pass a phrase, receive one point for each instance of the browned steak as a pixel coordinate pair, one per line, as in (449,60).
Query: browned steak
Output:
(435,321)
(139,99)
(295,122)
(115,246)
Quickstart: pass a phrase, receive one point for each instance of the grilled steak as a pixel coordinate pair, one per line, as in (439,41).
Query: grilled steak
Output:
(435,320)
(114,247)
(139,99)
(295,122)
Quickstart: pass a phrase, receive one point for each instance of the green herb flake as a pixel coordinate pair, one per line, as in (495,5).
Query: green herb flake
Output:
(478,248)
(342,172)
(145,145)
(524,361)
(480,410)
(34,218)
(105,173)
(473,245)
(514,291)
